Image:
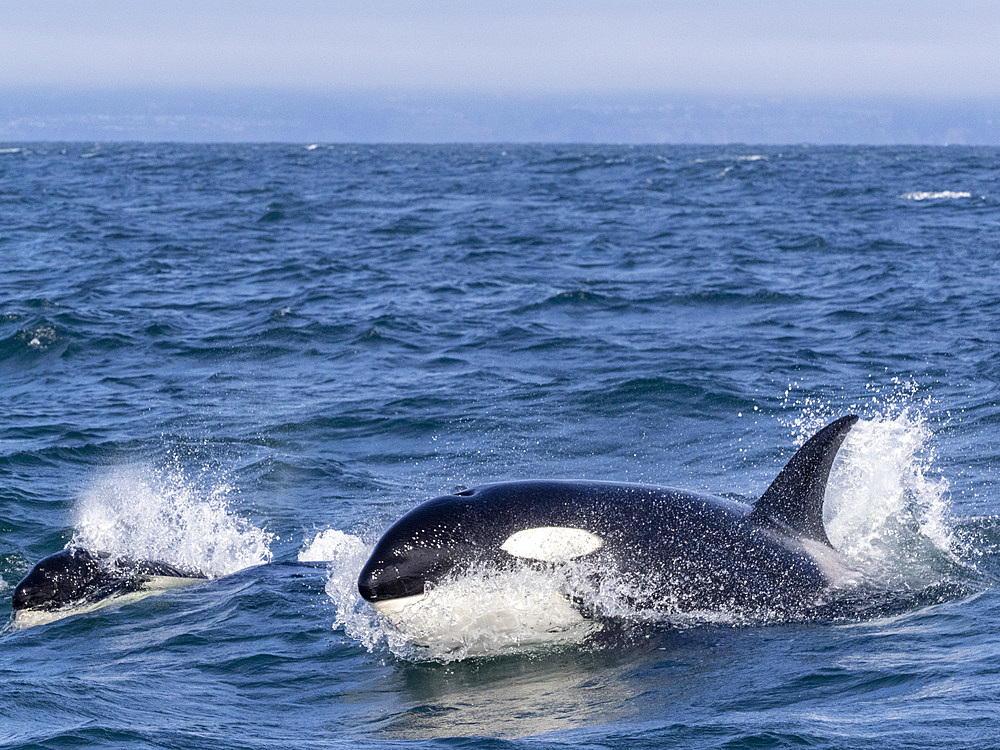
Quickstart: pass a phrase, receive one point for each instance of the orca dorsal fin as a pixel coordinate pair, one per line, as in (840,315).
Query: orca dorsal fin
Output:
(794,501)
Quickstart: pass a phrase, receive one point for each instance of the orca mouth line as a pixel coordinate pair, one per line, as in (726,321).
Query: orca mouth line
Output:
(377,587)
(390,607)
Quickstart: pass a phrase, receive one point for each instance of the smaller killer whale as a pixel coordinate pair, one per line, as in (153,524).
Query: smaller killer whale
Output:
(76,580)
(673,549)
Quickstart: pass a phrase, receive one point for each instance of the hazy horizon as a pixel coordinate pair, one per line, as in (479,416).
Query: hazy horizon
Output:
(769,72)
(379,117)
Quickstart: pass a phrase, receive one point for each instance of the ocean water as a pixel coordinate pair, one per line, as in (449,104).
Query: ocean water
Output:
(251,360)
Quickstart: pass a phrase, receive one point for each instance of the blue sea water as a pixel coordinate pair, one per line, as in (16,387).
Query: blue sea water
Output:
(253,359)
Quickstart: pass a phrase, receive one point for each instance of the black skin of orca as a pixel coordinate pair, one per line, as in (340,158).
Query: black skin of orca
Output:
(77,576)
(674,548)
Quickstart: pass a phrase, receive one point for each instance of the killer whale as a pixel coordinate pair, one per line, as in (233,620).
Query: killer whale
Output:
(76,579)
(673,548)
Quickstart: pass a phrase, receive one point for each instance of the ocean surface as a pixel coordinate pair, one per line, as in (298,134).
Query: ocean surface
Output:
(251,360)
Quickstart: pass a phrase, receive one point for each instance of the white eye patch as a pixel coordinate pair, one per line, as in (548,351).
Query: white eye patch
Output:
(551,543)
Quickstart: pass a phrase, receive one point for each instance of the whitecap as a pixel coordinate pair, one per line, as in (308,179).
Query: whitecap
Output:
(939,195)
(39,337)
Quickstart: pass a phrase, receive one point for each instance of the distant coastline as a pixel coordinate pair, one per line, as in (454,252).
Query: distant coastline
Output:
(258,115)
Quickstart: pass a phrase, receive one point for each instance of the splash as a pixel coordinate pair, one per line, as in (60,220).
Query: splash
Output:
(334,544)
(166,514)
(887,509)
(346,555)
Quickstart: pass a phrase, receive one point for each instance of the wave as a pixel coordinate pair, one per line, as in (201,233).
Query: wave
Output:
(33,339)
(576,299)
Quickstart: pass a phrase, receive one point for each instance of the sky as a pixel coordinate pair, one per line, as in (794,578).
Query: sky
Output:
(187,65)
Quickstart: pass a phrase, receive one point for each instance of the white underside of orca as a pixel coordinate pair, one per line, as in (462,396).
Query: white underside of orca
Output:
(29,618)
(394,609)
(463,617)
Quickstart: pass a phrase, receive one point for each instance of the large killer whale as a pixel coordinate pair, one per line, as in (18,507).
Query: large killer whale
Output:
(673,549)
(76,579)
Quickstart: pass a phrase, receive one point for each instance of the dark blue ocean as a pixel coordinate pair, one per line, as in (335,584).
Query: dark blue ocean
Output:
(251,360)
